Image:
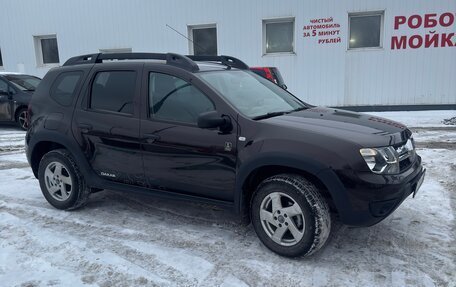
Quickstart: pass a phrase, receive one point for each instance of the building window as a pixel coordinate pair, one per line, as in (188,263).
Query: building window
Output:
(365,30)
(1,59)
(203,39)
(113,91)
(46,49)
(278,36)
(119,50)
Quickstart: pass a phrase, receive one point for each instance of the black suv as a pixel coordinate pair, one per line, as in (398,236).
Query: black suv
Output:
(207,128)
(15,94)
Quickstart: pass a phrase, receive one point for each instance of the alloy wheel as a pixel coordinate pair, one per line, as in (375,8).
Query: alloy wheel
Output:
(58,181)
(22,119)
(282,219)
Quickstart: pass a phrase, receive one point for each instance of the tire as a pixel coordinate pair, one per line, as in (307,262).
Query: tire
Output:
(21,118)
(61,182)
(290,216)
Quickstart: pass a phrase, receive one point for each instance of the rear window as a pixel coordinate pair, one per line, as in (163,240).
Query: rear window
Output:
(113,91)
(64,88)
(24,82)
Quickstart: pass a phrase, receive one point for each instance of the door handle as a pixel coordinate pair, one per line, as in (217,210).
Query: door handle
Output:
(150,138)
(85,128)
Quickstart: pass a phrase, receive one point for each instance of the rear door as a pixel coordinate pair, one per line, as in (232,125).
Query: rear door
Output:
(107,123)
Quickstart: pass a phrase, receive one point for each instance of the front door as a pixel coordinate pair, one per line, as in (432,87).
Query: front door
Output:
(107,126)
(5,102)
(179,156)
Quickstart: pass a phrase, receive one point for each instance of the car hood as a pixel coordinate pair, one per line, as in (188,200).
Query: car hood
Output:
(364,129)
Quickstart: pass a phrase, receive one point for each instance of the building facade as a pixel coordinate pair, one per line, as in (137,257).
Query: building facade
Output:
(334,53)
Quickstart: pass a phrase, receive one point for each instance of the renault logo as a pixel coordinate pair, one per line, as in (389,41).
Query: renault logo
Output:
(228,146)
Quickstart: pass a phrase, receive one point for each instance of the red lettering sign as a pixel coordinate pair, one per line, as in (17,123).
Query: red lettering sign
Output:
(323,27)
(431,38)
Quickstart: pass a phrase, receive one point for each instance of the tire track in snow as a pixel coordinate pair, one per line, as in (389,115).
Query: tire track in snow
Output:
(81,255)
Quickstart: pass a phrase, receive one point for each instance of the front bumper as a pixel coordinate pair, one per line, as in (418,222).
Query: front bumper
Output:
(369,198)
(383,208)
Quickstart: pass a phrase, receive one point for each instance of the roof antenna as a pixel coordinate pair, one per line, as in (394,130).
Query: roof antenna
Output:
(186,37)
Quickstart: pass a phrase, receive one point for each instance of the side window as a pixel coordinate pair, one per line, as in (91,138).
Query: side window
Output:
(64,87)
(3,88)
(113,91)
(174,99)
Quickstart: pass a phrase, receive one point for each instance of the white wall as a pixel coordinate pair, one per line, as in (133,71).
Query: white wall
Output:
(323,74)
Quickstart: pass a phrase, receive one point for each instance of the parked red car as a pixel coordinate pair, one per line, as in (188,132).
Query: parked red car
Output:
(270,73)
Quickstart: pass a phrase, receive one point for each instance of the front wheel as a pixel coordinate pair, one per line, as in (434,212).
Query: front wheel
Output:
(61,182)
(290,216)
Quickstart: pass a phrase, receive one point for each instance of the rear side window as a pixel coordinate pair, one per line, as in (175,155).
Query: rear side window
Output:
(64,88)
(3,88)
(113,91)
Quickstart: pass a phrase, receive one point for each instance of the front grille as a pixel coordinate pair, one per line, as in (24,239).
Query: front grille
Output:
(404,164)
(406,153)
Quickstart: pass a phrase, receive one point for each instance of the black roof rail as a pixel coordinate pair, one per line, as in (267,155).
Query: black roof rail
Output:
(225,60)
(181,61)
(177,60)
(82,59)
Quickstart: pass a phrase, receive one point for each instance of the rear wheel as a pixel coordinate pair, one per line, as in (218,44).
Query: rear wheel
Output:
(61,182)
(21,118)
(290,216)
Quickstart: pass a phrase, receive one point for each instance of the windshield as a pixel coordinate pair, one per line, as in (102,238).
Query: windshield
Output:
(24,82)
(254,96)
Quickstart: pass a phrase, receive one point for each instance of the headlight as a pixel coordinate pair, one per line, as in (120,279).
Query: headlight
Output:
(383,160)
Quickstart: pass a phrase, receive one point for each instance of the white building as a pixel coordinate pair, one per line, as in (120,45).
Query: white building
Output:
(339,53)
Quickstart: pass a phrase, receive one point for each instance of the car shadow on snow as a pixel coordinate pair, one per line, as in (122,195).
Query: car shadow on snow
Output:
(143,204)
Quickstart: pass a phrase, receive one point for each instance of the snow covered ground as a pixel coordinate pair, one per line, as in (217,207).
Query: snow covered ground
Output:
(121,240)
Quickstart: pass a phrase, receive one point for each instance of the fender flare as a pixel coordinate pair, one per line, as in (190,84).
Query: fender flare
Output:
(72,147)
(309,165)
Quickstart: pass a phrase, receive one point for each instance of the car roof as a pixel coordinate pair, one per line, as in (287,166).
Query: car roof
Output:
(203,66)
(11,73)
(210,66)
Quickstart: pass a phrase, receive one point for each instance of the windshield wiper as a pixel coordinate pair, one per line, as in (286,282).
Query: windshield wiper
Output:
(301,108)
(271,114)
(275,114)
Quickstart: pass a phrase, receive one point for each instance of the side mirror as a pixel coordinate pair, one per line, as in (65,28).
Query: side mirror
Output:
(212,119)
